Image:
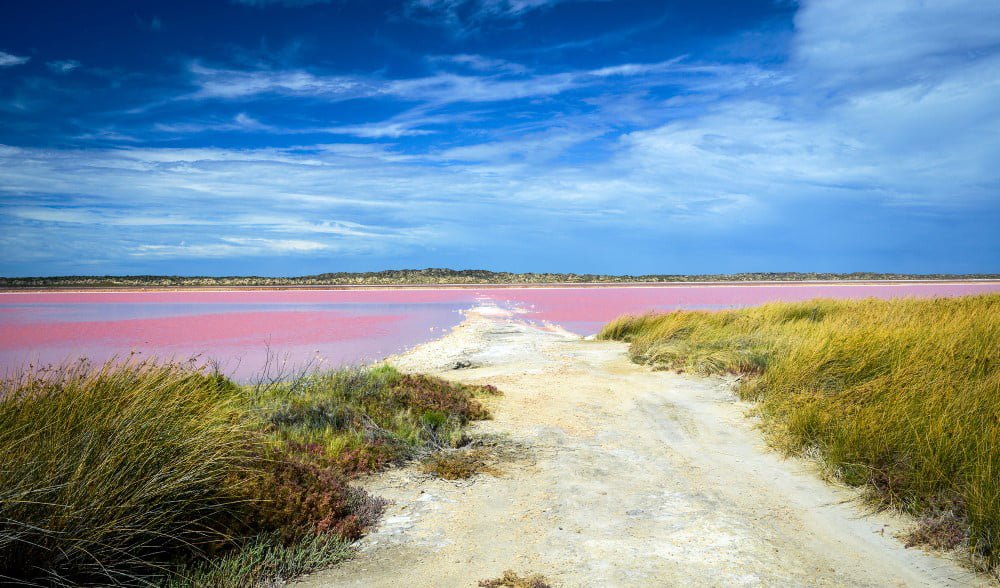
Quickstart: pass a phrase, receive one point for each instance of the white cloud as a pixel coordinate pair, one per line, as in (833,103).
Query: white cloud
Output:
(479,63)
(440,88)
(229,83)
(445,88)
(352,199)
(62,67)
(240,122)
(534,147)
(407,124)
(349,199)
(892,102)
(634,69)
(386,130)
(839,42)
(10,60)
(230,247)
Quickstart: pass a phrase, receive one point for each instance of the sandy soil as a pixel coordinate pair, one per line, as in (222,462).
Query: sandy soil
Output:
(628,477)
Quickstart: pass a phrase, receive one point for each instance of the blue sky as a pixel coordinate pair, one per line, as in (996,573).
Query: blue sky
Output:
(289,137)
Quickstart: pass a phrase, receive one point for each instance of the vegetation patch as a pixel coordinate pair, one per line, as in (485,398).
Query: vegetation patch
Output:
(363,420)
(939,530)
(459,464)
(264,560)
(510,579)
(900,396)
(479,454)
(145,473)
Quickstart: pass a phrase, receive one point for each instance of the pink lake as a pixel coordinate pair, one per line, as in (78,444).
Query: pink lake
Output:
(336,327)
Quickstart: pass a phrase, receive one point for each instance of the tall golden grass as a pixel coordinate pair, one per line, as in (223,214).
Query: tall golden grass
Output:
(902,396)
(102,471)
(147,473)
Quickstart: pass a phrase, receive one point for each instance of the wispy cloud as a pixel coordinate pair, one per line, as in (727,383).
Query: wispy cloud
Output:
(539,147)
(153,24)
(241,122)
(64,66)
(479,63)
(440,88)
(411,123)
(230,247)
(261,3)
(378,130)
(10,60)
(465,16)
(454,10)
(606,38)
(233,83)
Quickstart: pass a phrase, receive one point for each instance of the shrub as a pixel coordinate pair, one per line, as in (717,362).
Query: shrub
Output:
(428,394)
(362,420)
(298,498)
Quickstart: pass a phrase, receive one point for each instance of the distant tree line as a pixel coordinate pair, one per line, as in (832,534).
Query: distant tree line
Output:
(432,276)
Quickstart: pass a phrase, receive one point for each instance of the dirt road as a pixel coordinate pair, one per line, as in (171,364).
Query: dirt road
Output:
(628,478)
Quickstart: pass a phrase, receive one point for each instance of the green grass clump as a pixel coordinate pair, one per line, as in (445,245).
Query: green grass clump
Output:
(264,560)
(103,471)
(900,395)
(363,420)
(145,473)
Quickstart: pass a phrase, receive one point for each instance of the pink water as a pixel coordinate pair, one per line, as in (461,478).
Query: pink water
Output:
(334,327)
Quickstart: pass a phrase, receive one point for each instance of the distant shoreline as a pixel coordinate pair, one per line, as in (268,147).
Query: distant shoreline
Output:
(460,279)
(473,286)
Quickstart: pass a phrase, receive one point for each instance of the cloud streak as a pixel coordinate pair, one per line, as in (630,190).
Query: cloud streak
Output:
(466,16)
(11,60)
(63,66)
(514,82)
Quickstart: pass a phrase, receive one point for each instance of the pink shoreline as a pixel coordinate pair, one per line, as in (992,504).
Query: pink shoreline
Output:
(351,325)
(466,287)
(423,294)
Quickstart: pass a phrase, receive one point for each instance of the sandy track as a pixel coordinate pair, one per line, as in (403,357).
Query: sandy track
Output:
(631,478)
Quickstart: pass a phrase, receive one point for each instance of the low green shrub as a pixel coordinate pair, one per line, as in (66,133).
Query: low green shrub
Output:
(297,497)
(363,420)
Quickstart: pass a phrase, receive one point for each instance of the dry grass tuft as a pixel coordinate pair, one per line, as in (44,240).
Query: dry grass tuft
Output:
(510,579)
(941,530)
(460,464)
